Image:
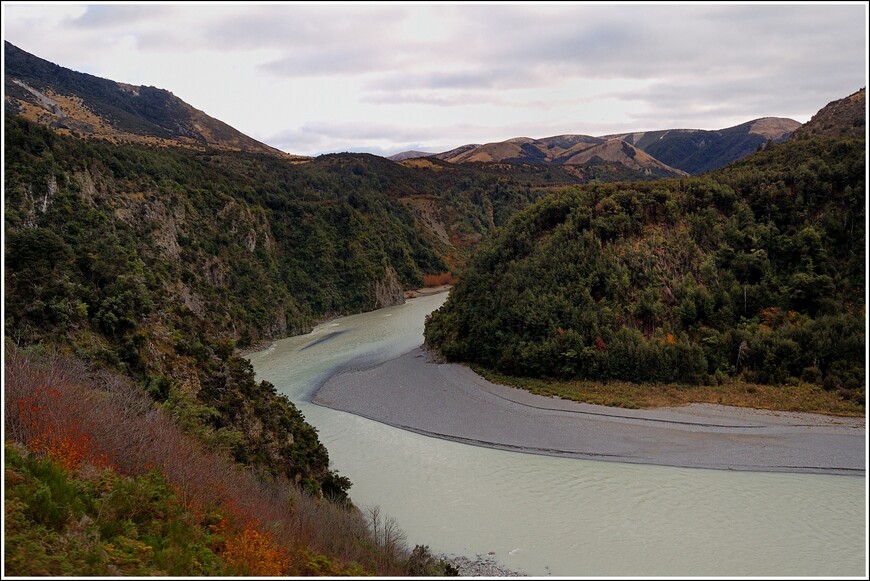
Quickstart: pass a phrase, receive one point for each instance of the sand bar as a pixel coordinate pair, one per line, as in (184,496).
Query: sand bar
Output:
(450,401)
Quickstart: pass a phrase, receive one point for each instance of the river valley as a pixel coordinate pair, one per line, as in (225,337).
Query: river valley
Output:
(562,516)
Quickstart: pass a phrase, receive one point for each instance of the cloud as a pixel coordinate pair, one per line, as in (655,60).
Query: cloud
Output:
(424,98)
(290,27)
(327,62)
(112,16)
(458,73)
(315,137)
(468,78)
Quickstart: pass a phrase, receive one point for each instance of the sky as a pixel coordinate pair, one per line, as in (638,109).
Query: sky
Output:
(387,77)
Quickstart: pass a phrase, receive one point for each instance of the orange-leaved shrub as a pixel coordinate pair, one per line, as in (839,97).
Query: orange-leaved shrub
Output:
(432,280)
(62,409)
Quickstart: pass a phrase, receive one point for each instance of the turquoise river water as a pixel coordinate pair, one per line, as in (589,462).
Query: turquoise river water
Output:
(554,516)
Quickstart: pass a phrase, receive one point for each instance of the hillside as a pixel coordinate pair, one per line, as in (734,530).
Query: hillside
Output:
(409,155)
(667,153)
(842,117)
(89,106)
(750,273)
(159,262)
(698,151)
(623,153)
(521,150)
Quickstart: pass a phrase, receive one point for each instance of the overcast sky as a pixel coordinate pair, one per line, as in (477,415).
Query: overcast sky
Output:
(385,78)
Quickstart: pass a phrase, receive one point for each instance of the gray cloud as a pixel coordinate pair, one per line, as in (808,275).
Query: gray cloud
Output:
(700,65)
(111,16)
(293,26)
(476,77)
(326,62)
(317,137)
(646,42)
(422,98)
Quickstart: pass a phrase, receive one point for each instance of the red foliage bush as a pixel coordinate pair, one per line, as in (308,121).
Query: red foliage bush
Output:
(432,280)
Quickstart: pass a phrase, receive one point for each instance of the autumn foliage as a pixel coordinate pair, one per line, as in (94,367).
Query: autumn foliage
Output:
(255,552)
(264,526)
(59,438)
(433,280)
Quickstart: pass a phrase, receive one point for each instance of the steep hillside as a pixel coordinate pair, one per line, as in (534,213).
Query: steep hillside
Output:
(616,151)
(838,118)
(697,151)
(85,105)
(755,272)
(520,150)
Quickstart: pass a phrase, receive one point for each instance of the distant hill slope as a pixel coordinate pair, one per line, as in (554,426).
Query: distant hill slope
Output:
(520,150)
(575,150)
(409,155)
(666,153)
(619,151)
(697,151)
(80,103)
(841,117)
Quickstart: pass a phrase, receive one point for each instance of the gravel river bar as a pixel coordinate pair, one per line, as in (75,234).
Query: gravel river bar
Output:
(450,401)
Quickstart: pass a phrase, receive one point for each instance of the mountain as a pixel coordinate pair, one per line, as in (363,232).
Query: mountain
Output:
(456,152)
(621,152)
(754,272)
(621,158)
(85,105)
(409,155)
(666,153)
(697,151)
(841,117)
(520,150)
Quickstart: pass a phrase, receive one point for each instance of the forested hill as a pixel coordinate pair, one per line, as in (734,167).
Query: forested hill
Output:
(158,262)
(755,272)
(840,118)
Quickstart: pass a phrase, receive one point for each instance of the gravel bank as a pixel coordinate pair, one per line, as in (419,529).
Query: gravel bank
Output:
(450,401)
(480,566)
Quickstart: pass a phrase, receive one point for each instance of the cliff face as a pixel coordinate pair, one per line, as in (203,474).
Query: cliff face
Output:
(388,291)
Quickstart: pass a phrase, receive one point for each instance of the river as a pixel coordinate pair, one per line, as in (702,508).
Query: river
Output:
(555,516)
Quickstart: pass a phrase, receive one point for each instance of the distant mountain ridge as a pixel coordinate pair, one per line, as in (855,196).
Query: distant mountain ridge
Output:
(91,106)
(697,150)
(663,153)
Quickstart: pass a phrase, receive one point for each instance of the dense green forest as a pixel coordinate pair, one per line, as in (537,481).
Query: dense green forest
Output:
(754,272)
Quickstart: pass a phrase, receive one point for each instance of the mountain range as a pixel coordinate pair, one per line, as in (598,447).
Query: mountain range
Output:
(665,153)
(83,104)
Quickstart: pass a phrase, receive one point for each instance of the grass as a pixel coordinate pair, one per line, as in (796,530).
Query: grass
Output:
(791,398)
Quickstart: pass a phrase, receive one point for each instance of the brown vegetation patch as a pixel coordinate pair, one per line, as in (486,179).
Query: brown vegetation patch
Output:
(59,408)
(791,398)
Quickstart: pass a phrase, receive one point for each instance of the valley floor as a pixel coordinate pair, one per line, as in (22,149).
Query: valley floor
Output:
(450,401)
